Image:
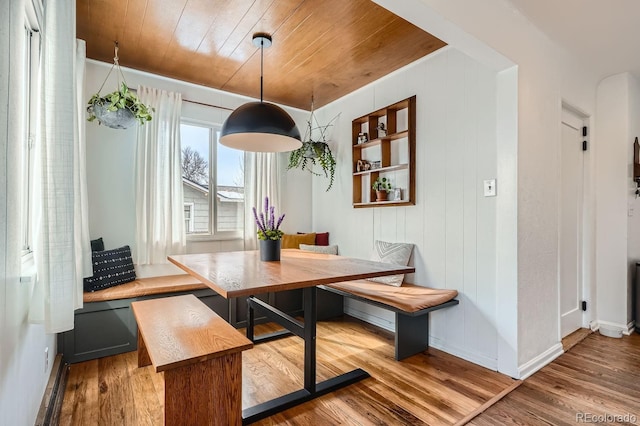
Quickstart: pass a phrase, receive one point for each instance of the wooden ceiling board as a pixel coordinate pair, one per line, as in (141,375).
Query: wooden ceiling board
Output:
(327,48)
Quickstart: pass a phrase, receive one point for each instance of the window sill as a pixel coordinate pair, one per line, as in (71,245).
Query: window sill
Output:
(222,236)
(28,271)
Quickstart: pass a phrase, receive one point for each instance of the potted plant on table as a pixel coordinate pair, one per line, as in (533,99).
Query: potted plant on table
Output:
(269,232)
(382,186)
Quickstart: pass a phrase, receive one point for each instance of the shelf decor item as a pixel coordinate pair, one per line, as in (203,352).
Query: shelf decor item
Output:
(119,109)
(315,151)
(269,232)
(382,186)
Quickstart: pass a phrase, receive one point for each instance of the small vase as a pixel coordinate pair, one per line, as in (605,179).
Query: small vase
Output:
(381,195)
(269,250)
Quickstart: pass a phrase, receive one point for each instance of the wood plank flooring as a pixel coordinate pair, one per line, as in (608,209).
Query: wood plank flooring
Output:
(596,377)
(431,388)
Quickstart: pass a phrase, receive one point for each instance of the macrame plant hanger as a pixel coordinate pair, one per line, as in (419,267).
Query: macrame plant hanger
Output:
(121,108)
(116,63)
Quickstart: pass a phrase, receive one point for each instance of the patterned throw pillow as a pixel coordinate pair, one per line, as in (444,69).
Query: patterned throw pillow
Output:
(320,249)
(397,253)
(110,268)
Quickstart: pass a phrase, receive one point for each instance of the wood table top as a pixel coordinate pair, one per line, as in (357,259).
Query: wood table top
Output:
(242,273)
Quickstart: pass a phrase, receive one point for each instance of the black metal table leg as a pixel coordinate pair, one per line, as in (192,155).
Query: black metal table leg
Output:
(307,331)
(309,297)
(250,319)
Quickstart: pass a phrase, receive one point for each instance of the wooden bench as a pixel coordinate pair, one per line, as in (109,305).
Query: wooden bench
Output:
(200,355)
(146,287)
(411,304)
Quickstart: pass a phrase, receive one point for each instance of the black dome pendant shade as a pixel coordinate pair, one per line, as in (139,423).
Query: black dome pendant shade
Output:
(260,126)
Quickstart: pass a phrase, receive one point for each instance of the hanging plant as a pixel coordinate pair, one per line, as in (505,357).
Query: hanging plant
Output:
(314,152)
(119,109)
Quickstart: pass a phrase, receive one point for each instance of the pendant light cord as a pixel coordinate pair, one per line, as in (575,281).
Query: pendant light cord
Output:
(261,68)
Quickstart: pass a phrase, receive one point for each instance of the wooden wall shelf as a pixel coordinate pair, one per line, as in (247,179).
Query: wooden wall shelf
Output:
(395,151)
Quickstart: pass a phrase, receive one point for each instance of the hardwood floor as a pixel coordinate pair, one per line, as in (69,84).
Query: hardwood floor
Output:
(574,338)
(432,388)
(597,377)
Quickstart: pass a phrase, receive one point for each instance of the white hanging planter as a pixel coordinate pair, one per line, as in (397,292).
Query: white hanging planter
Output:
(118,119)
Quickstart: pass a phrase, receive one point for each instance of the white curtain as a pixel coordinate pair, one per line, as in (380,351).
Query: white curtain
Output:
(159,203)
(62,249)
(261,180)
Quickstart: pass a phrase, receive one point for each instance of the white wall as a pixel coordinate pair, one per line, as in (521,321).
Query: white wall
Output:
(110,165)
(23,376)
(618,224)
(496,34)
(452,225)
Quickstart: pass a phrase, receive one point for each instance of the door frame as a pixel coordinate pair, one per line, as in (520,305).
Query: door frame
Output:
(586,246)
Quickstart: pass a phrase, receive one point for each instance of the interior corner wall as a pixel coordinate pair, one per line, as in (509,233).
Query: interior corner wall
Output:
(452,225)
(618,221)
(612,194)
(111,156)
(633,233)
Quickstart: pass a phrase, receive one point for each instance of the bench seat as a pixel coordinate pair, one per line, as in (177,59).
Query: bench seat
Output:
(146,287)
(200,355)
(408,298)
(410,303)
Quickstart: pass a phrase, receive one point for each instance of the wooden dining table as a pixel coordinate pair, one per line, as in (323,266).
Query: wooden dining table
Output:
(243,274)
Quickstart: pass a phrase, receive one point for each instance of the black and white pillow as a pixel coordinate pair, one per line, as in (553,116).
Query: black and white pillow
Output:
(110,268)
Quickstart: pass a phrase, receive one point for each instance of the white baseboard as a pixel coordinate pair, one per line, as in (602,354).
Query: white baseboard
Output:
(528,368)
(371,319)
(491,364)
(483,361)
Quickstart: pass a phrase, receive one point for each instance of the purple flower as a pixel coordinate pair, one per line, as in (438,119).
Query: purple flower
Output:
(266,222)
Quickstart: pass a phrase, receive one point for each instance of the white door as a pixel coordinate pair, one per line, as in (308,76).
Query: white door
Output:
(570,222)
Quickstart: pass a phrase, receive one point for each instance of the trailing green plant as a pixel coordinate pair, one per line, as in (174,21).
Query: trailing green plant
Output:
(381,184)
(314,153)
(122,98)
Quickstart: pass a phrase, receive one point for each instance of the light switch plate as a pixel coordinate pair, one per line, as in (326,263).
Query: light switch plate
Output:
(490,188)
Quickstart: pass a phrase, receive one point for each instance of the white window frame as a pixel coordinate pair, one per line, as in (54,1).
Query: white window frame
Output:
(33,14)
(191,208)
(213,234)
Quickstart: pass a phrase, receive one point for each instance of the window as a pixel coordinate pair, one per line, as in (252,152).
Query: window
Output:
(30,59)
(188,217)
(210,213)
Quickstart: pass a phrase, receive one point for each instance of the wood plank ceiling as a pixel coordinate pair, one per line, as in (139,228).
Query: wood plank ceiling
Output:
(327,48)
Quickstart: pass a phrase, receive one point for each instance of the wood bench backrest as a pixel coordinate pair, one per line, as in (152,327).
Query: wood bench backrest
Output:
(182,330)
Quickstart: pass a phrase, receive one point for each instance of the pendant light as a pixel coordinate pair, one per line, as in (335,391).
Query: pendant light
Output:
(260,126)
